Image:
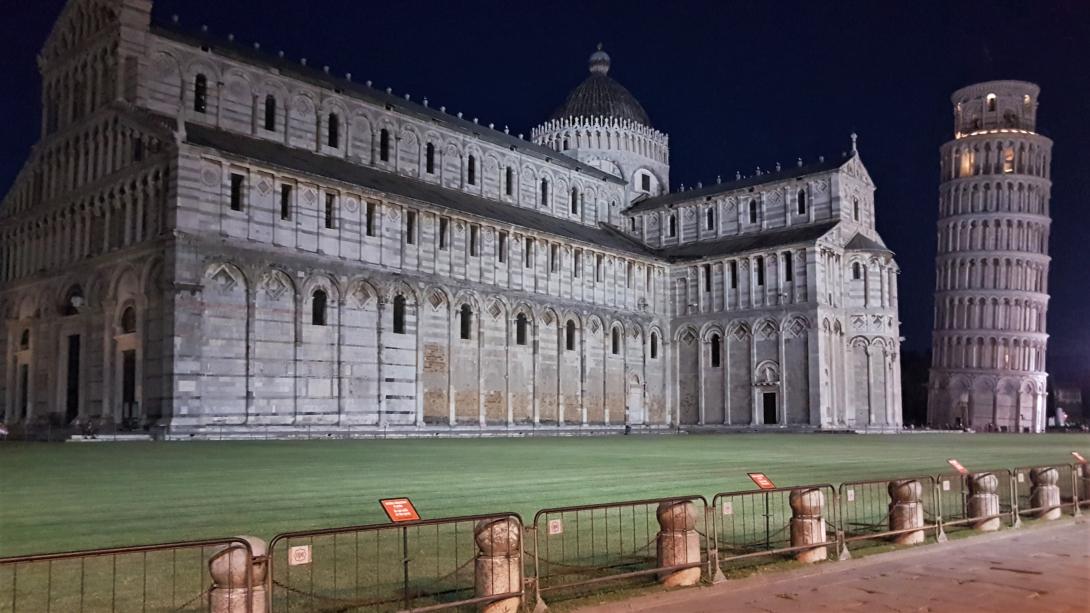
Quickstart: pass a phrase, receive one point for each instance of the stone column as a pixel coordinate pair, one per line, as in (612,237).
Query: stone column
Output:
(229,568)
(906,511)
(807,524)
(678,543)
(1044,493)
(498,567)
(983,502)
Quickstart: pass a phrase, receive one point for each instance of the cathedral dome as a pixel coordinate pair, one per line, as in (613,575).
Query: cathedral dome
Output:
(601,96)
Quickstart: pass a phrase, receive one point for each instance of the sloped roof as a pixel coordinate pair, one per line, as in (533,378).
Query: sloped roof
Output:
(378,97)
(747,242)
(862,243)
(648,204)
(337,169)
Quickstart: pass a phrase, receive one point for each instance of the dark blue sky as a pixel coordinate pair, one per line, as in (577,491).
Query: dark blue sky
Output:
(734,84)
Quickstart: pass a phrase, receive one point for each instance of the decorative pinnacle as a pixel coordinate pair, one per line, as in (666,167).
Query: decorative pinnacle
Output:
(855,138)
(599,61)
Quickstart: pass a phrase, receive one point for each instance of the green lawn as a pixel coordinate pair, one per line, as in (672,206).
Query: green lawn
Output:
(57,497)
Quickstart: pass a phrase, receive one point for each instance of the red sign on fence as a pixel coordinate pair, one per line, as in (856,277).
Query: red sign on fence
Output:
(399,509)
(762,481)
(1078,457)
(957,466)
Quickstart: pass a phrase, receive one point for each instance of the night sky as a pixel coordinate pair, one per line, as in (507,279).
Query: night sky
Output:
(736,85)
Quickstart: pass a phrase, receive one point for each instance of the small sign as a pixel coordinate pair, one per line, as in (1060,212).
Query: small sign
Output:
(946,485)
(1078,457)
(762,481)
(851,495)
(1021,477)
(957,466)
(556,527)
(728,508)
(399,509)
(299,555)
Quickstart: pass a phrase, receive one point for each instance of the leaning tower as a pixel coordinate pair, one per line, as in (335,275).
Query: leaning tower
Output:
(991,291)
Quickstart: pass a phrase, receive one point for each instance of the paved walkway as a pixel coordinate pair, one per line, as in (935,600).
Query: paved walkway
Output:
(1042,568)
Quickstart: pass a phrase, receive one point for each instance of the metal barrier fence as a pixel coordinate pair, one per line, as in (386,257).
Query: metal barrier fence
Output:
(1058,490)
(163,577)
(422,565)
(1082,484)
(788,520)
(868,510)
(589,544)
(954,493)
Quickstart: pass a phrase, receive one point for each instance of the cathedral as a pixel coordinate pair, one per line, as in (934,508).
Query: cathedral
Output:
(212,240)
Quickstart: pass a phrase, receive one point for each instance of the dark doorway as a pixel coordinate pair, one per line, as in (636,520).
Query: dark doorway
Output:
(24,391)
(72,390)
(128,389)
(769,399)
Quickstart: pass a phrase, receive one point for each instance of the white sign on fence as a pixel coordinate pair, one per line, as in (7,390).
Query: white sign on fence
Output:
(556,527)
(1021,477)
(728,509)
(851,495)
(299,555)
(945,485)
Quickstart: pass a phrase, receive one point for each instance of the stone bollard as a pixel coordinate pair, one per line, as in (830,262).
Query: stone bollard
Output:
(984,502)
(678,543)
(906,511)
(1044,494)
(228,567)
(807,524)
(498,567)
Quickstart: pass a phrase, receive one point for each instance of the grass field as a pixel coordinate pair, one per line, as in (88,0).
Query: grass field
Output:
(74,496)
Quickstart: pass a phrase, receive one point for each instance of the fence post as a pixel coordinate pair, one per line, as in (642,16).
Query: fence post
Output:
(678,543)
(1080,488)
(238,577)
(1044,493)
(906,511)
(808,524)
(984,502)
(498,567)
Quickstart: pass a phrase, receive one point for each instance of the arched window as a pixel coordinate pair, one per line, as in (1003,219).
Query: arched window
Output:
(200,94)
(569,336)
(715,351)
(753,211)
(759,265)
(466,321)
(471,170)
(673,226)
(128,320)
(574,200)
(802,202)
(616,344)
(520,329)
(544,192)
(270,112)
(399,314)
(509,182)
(709,221)
(991,102)
(334,128)
(318,307)
(73,300)
(384,145)
(654,345)
(565,144)
(24,340)
(857,271)
(429,159)
(855,209)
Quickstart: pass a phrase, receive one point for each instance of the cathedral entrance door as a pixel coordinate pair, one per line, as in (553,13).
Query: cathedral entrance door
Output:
(71,396)
(769,400)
